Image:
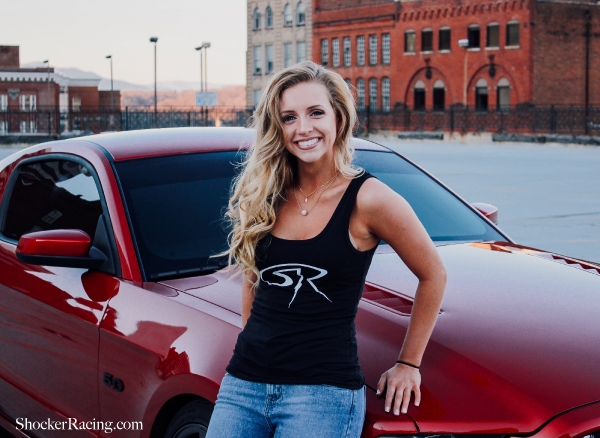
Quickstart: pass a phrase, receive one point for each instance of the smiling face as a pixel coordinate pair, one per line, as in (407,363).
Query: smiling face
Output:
(309,122)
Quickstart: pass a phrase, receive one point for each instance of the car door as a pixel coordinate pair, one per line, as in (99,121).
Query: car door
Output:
(49,316)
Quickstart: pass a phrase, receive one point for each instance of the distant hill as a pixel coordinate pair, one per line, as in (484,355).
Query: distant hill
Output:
(229,96)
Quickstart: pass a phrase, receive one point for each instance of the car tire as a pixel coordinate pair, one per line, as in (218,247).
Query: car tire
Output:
(191,421)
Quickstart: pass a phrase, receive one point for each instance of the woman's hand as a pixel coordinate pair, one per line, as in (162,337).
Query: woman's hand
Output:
(400,381)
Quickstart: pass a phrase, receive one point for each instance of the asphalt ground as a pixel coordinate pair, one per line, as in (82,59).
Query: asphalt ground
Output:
(548,196)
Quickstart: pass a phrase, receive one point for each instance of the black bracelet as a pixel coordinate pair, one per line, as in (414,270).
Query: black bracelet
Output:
(407,364)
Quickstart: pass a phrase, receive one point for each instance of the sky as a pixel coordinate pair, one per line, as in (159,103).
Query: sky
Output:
(80,33)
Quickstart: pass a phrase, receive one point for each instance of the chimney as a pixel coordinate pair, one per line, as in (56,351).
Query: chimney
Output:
(9,57)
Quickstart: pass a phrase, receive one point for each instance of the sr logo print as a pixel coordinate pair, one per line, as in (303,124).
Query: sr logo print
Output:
(285,272)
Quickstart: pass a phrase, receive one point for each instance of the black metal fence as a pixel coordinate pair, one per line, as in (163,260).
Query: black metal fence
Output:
(543,120)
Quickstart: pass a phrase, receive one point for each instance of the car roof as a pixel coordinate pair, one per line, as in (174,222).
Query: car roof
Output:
(129,145)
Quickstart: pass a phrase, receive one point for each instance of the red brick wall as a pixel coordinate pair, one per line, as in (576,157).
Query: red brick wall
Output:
(9,56)
(560,54)
(39,89)
(89,97)
(514,64)
(105,100)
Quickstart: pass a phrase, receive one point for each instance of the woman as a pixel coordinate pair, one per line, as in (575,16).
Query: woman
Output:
(305,226)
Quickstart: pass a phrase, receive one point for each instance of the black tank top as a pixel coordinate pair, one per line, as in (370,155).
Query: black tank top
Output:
(301,327)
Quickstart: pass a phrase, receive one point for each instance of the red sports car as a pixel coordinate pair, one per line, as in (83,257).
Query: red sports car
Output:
(115,319)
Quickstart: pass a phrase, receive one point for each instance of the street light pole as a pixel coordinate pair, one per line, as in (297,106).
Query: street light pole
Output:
(154,40)
(206,47)
(112,93)
(199,49)
(47,62)
(464,43)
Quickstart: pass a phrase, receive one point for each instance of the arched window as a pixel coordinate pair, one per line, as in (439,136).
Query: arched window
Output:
(385,94)
(419,96)
(503,95)
(439,96)
(256,19)
(300,14)
(373,94)
(269,18)
(288,17)
(481,95)
(360,93)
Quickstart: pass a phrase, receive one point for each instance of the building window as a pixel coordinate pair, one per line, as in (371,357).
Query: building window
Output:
(444,39)
(27,127)
(335,52)
(385,48)
(360,50)
(28,102)
(439,96)
(473,36)
(512,34)
(76,104)
(269,58)
(347,81)
(372,49)
(427,40)
(503,92)
(256,96)
(300,14)
(288,57)
(288,17)
(300,51)
(347,52)
(257,60)
(410,38)
(269,18)
(3,127)
(324,51)
(385,94)
(373,94)
(256,19)
(360,93)
(493,36)
(481,95)
(3,102)
(419,96)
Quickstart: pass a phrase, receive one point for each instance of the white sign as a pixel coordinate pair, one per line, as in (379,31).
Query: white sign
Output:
(206,98)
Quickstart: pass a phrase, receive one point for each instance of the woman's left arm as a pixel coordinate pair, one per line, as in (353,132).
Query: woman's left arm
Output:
(386,215)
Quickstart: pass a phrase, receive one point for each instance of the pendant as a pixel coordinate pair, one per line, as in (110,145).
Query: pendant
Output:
(305,200)
(304,212)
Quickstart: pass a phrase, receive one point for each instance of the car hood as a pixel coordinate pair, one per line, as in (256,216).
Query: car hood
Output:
(516,342)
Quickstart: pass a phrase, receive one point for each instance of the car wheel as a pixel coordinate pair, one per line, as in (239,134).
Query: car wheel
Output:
(191,421)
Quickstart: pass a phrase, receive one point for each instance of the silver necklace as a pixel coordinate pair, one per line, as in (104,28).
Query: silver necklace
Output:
(304,212)
(313,192)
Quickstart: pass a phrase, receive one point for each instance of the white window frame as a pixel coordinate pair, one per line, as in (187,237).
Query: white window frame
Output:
(385,48)
(3,127)
(76,104)
(430,31)
(360,50)
(268,18)
(347,52)
(385,94)
(257,69)
(300,51)
(269,59)
(300,14)
(256,19)
(27,127)
(256,95)
(443,28)
(414,41)
(373,95)
(288,15)
(494,24)
(3,102)
(373,49)
(335,52)
(288,54)
(512,22)
(325,51)
(28,102)
(360,93)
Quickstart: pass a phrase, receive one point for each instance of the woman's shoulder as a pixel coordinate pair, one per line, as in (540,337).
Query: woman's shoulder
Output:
(374,195)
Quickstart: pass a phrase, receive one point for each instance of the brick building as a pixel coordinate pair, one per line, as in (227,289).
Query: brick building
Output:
(279,35)
(25,92)
(433,54)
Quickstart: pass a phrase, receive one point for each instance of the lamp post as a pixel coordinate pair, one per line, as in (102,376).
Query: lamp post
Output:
(206,46)
(47,62)
(199,49)
(464,43)
(154,40)
(112,101)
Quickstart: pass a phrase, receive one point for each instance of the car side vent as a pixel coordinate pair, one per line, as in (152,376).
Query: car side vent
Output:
(388,299)
(577,264)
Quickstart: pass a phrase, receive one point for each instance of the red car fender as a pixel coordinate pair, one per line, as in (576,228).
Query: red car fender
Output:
(574,423)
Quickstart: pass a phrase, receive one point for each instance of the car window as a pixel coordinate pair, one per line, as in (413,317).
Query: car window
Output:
(50,195)
(176,206)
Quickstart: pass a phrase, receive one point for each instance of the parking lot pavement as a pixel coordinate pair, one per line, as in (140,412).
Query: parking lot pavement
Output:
(548,196)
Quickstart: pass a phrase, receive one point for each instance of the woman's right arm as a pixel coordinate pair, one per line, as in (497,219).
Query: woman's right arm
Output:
(248,292)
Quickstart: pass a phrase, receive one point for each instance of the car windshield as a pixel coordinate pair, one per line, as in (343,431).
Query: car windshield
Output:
(176,206)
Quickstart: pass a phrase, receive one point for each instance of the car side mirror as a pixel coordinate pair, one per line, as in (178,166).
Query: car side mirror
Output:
(65,248)
(488,210)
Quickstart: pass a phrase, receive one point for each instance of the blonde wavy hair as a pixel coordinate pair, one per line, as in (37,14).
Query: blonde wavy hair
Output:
(269,169)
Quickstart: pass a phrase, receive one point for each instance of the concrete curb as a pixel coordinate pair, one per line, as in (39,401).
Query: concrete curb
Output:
(420,135)
(547,138)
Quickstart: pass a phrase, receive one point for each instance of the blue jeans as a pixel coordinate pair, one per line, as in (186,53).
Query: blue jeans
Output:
(260,410)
